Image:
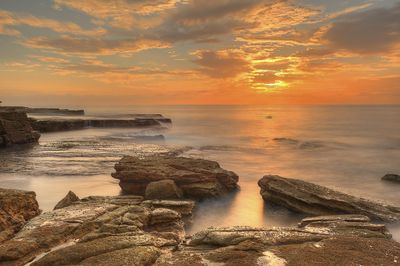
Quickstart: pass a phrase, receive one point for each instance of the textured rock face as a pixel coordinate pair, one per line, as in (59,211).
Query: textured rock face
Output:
(328,243)
(391,177)
(121,230)
(16,208)
(164,189)
(126,230)
(312,199)
(68,200)
(15,128)
(197,178)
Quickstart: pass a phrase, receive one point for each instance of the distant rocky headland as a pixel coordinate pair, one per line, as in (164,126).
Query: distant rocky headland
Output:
(17,128)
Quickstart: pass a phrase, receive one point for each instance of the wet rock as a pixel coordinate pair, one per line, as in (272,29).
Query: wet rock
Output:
(69,199)
(326,244)
(163,189)
(391,177)
(197,178)
(15,128)
(55,125)
(313,199)
(16,208)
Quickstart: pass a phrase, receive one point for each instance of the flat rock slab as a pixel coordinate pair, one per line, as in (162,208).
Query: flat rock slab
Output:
(308,198)
(196,178)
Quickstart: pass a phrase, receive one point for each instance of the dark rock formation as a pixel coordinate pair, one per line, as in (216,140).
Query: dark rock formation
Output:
(68,200)
(197,178)
(53,125)
(163,189)
(15,128)
(312,199)
(46,111)
(16,208)
(391,177)
(99,230)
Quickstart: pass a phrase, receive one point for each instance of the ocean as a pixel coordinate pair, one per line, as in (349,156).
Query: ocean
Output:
(347,148)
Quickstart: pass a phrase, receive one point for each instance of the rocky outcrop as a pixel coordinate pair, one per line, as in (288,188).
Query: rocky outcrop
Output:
(54,125)
(15,128)
(391,177)
(308,198)
(327,243)
(197,178)
(16,208)
(68,200)
(125,230)
(99,230)
(46,111)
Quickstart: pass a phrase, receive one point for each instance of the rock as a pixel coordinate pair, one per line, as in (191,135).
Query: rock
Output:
(184,207)
(163,189)
(54,125)
(45,111)
(15,128)
(44,126)
(16,208)
(340,250)
(312,199)
(69,199)
(97,230)
(391,177)
(197,178)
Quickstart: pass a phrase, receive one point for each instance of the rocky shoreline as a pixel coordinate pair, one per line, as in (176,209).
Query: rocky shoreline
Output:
(17,128)
(129,230)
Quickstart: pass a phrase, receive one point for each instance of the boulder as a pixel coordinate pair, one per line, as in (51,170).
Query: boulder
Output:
(197,178)
(15,128)
(69,199)
(391,177)
(308,198)
(16,208)
(163,189)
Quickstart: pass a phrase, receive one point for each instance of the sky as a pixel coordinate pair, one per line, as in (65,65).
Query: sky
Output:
(150,52)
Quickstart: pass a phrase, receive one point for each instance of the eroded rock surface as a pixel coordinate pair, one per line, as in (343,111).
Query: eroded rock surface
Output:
(197,178)
(126,230)
(16,208)
(313,199)
(99,230)
(15,128)
(325,240)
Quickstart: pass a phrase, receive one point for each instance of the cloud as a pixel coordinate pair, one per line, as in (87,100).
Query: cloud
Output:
(221,64)
(372,31)
(94,46)
(10,19)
